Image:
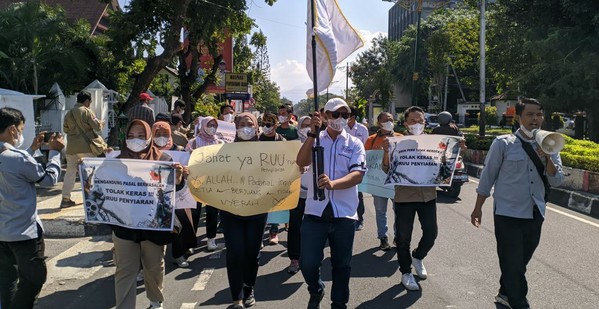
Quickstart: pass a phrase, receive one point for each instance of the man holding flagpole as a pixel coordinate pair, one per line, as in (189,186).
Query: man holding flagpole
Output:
(332,202)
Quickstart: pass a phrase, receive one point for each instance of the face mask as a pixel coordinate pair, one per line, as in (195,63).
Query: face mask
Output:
(19,140)
(416,129)
(161,141)
(303,133)
(282,119)
(229,118)
(528,134)
(387,126)
(246,133)
(210,130)
(137,144)
(337,124)
(267,131)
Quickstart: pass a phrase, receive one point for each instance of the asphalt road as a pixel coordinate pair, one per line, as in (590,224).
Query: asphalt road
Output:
(463,269)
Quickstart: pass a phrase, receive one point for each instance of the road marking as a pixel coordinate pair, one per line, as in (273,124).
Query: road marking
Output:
(188,305)
(203,279)
(80,261)
(215,255)
(591,223)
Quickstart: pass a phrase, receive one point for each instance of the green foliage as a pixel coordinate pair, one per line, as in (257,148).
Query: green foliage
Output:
(491,116)
(372,70)
(476,142)
(206,106)
(39,46)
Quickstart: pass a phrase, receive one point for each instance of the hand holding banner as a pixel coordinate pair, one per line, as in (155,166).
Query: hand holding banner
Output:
(423,160)
(246,178)
(373,181)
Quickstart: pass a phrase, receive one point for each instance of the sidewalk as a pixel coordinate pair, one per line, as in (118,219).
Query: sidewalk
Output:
(579,201)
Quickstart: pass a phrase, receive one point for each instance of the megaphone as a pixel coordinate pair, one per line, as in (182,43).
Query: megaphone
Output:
(550,142)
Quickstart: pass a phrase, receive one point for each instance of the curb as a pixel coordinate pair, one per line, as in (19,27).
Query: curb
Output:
(582,202)
(67,222)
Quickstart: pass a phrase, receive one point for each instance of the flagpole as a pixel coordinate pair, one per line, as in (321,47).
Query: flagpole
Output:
(318,150)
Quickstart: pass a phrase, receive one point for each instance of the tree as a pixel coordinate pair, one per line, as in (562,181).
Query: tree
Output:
(39,46)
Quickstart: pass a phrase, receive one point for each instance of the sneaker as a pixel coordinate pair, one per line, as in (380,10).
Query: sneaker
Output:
(293,267)
(502,300)
(419,267)
(315,299)
(249,300)
(409,282)
(155,305)
(212,244)
(359,226)
(273,239)
(181,262)
(140,276)
(67,202)
(384,244)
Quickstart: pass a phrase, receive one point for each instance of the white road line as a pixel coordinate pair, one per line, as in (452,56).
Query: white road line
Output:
(188,305)
(215,255)
(80,261)
(591,223)
(203,279)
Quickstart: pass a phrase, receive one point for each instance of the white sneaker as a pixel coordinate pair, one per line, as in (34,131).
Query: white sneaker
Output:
(181,262)
(502,299)
(155,305)
(419,267)
(140,276)
(212,244)
(409,282)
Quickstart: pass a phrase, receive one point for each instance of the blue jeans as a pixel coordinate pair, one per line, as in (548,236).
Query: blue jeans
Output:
(340,234)
(380,209)
(22,272)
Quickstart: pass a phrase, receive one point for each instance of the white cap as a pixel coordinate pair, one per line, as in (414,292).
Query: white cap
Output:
(334,104)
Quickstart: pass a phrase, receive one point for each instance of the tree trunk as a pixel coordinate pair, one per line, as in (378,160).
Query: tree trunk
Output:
(593,123)
(155,64)
(209,79)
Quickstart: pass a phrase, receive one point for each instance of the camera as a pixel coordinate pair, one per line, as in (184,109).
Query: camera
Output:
(47,136)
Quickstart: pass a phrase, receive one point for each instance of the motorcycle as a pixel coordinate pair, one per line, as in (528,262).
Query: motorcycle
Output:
(459,178)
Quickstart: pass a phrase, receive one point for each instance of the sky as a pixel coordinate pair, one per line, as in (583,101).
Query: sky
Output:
(284,25)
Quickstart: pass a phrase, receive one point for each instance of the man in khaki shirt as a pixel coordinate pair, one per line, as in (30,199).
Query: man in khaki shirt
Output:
(410,201)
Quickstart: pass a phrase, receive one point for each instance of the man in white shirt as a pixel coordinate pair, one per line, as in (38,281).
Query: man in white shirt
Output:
(333,218)
(360,131)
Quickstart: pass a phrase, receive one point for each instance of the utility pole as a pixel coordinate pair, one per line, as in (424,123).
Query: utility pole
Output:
(415,74)
(482,43)
(346,80)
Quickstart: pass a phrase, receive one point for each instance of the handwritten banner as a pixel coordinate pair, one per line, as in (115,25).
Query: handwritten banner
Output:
(136,194)
(423,160)
(246,178)
(373,181)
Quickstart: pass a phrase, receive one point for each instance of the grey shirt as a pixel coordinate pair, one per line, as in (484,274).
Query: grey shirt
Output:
(518,186)
(19,172)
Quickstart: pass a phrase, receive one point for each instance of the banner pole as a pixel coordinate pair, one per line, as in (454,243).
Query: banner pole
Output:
(318,150)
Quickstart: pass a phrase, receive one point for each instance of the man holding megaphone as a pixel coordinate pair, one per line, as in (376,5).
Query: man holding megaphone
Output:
(522,167)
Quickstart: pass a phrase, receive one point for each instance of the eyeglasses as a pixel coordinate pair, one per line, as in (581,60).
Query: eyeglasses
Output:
(336,115)
(267,124)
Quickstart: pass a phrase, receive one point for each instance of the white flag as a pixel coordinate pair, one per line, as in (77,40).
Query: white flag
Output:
(336,39)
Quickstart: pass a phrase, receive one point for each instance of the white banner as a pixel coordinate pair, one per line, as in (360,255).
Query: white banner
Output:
(423,160)
(373,181)
(136,194)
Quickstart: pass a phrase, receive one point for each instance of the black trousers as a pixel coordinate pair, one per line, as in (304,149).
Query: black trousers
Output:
(404,224)
(22,272)
(243,239)
(517,240)
(296,216)
(186,239)
(211,219)
(360,208)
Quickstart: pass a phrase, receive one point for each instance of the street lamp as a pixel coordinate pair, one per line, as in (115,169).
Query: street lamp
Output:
(482,43)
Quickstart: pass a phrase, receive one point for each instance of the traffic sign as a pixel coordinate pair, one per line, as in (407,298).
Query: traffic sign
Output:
(236,82)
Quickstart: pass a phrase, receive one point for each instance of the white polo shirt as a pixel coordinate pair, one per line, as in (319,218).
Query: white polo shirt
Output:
(359,130)
(343,155)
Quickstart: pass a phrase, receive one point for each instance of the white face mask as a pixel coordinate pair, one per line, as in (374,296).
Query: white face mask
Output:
(416,129)
(210,130)
(18,142)
(136,144)
(387,126)
(282,119)
(229,117)
(246,133)
(303,133)
(267,131)
(337,124)
(528,134)
(160,141)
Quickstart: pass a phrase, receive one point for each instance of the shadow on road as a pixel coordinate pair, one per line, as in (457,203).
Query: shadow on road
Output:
(390,299)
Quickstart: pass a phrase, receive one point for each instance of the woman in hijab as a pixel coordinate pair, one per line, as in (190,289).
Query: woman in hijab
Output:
(131,245)
(205,135)
(243,235)
(297,214)
(186,239)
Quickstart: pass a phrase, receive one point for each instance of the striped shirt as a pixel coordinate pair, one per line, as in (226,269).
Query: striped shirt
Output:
(143,112)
